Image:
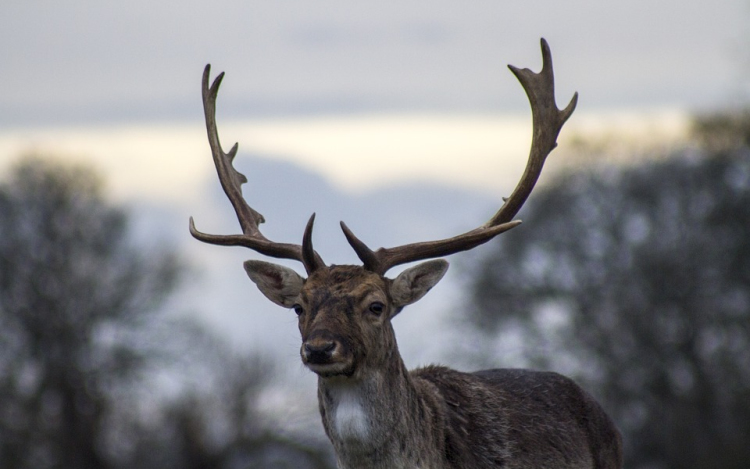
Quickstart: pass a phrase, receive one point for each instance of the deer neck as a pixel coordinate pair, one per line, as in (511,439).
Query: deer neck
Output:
(380,418)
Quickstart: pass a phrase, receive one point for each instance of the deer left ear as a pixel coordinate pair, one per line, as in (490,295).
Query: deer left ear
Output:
(414,283)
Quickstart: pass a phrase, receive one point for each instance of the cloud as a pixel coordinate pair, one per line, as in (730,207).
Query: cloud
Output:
(84,61)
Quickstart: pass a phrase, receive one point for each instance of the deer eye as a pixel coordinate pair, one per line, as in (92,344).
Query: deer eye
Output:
(377,308)
(298,310)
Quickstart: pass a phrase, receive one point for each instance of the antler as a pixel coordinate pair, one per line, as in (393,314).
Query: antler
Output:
(231,181)
(547,122)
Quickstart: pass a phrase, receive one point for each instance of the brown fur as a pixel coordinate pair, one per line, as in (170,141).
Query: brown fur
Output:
(379,415)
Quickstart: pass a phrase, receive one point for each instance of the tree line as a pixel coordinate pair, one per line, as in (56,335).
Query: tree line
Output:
(637,281)
(83,333)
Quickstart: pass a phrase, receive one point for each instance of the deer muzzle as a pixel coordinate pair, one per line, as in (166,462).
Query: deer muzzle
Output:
(325,355)
(319,352)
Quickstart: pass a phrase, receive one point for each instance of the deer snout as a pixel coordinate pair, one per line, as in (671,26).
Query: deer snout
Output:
(319,351)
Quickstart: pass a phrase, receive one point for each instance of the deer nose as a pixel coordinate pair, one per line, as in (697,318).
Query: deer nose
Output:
(319,351)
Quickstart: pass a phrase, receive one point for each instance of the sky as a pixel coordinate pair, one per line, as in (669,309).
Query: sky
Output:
(365,95)
(83,61)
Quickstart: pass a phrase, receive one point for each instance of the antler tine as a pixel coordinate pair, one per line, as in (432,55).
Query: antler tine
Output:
(231,182)
(310,258)
(547,122)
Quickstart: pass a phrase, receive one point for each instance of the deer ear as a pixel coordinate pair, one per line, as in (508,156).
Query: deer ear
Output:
(414,283)
(279,284)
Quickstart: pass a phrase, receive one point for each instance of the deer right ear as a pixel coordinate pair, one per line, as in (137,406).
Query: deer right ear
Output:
(279,284)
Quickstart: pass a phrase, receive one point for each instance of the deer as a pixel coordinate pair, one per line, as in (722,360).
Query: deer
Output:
(375,412)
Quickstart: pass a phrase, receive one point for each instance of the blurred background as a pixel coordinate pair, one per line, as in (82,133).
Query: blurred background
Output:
(125,343)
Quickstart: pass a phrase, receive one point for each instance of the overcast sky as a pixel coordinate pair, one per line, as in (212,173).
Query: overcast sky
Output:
(363,93)
(85,61)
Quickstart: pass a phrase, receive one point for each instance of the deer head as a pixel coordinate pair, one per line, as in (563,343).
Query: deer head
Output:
(345,312)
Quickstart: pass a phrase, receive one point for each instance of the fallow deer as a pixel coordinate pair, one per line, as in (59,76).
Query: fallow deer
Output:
(378,414)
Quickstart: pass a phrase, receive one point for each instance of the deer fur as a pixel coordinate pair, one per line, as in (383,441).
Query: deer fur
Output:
(377,414)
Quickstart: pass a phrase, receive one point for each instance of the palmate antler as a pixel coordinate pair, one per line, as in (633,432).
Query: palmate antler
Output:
(547,122)
(231,181)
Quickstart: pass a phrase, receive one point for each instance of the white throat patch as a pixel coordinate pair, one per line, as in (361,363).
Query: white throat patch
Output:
(350,419)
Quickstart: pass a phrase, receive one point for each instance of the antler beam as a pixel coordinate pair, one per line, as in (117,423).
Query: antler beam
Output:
(547,122)
(231,181)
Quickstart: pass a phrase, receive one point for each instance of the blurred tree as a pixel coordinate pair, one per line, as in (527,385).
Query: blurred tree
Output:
(637,280)
(722,131)
(81,341)
(225,428)
(72,290)
(220,422)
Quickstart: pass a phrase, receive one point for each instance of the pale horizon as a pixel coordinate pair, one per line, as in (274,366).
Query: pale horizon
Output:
(479,152)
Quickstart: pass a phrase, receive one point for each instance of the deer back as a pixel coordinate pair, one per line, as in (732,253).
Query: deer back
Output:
(519,418)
